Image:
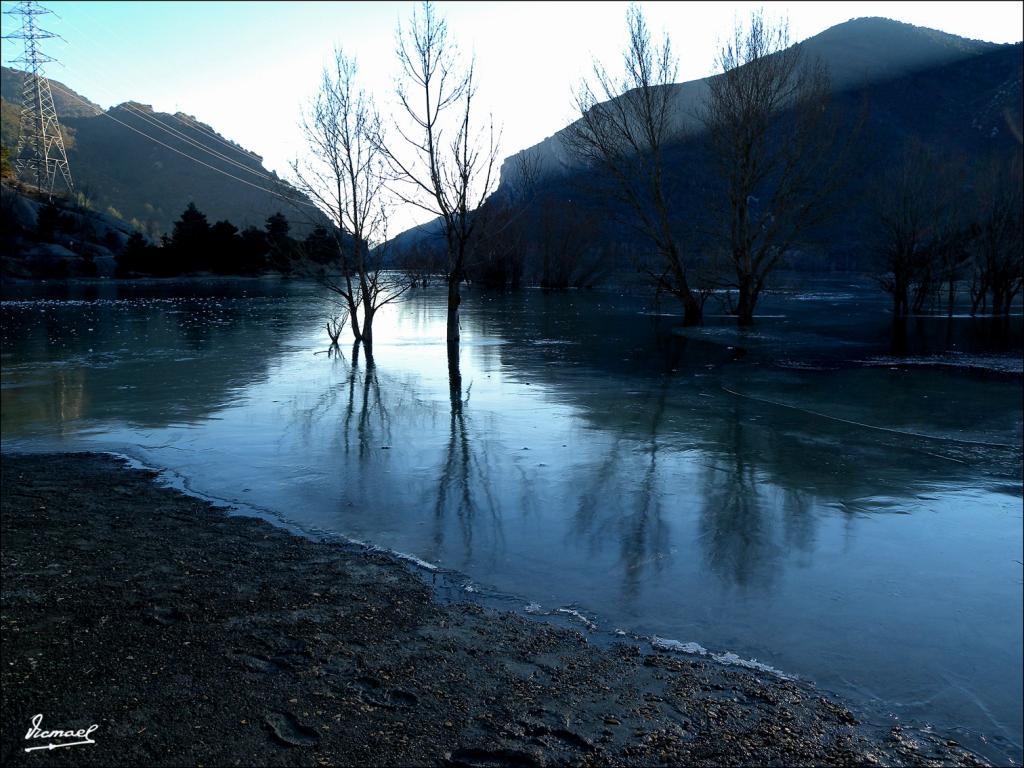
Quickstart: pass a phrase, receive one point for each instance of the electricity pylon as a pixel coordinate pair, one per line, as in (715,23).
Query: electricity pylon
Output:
(40,154)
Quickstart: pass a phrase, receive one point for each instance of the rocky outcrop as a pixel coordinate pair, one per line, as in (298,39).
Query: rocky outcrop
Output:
(56,239)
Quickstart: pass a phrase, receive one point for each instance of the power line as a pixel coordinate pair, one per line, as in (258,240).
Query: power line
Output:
(133,109)
(152,119)
(192,122)
(185,154)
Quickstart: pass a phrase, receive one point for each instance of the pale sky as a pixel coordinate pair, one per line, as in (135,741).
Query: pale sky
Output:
(247,68)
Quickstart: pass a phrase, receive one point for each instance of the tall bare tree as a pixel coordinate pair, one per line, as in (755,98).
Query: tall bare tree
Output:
(773,147)
(447,164)
(625,123)
(344,173)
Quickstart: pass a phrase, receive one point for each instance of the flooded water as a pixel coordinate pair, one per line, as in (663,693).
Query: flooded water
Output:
(800,493)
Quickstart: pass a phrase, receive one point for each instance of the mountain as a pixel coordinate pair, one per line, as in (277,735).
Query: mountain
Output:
(67,102)
(858,53)
(867,50)
(962,97)
(137,164)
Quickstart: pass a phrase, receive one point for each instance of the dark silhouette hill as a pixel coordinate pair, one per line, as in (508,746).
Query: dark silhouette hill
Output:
(858,53)
(961,96)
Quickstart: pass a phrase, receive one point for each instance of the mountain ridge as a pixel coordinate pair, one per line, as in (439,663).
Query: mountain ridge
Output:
(67,102)
(962,95)
(145,166)
(848,49)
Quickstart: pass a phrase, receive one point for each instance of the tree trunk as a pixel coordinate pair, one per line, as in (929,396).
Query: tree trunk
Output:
(367,335)
(745,303)
(454,299)
(900,302)
(454,377)
(693,313)
(899,337)
(997,298)
(353,316)
(368,349)
(976,298)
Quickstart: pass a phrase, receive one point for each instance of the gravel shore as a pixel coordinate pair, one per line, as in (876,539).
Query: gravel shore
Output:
(190,637)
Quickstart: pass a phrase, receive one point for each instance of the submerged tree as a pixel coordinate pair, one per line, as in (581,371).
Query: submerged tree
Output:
(915,201)
(625,124)
(998,269)
(568,253)
(772,141)
(446,164)
(344,175)
(504,228)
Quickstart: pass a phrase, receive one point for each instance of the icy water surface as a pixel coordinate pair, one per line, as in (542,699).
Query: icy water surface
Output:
(800,493)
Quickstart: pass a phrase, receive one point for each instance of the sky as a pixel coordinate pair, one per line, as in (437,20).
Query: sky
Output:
(248,68)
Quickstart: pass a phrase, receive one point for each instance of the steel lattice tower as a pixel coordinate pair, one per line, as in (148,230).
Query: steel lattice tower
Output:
(40,154)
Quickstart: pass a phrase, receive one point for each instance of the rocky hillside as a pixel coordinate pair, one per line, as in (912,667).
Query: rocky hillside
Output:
(57,239)
(69,103)
(145,167)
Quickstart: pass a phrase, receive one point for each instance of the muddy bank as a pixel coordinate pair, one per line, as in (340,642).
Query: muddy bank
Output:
(190,637)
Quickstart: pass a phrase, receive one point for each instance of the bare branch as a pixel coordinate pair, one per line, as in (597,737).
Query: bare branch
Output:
(445,165)
(773,146)
(344,173)
(625,124)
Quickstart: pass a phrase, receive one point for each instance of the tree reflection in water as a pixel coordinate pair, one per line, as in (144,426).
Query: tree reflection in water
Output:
(739,522)
(644,537)
(638,522)
(365,409)
(737,543)
(365,417)
(465,475)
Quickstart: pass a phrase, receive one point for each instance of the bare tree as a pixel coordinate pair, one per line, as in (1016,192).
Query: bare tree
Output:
(913,202)
(344,174)
(335,325)
(504,227)
(998,270)
(772,140)
(447,166)
(625,124)
(952,254)
(567,249)
(499,250)
(420,262)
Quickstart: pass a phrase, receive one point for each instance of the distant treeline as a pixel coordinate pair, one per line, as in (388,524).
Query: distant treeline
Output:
(195,245)
(62,237)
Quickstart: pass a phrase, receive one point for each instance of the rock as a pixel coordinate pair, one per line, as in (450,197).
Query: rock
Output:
(290,731)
